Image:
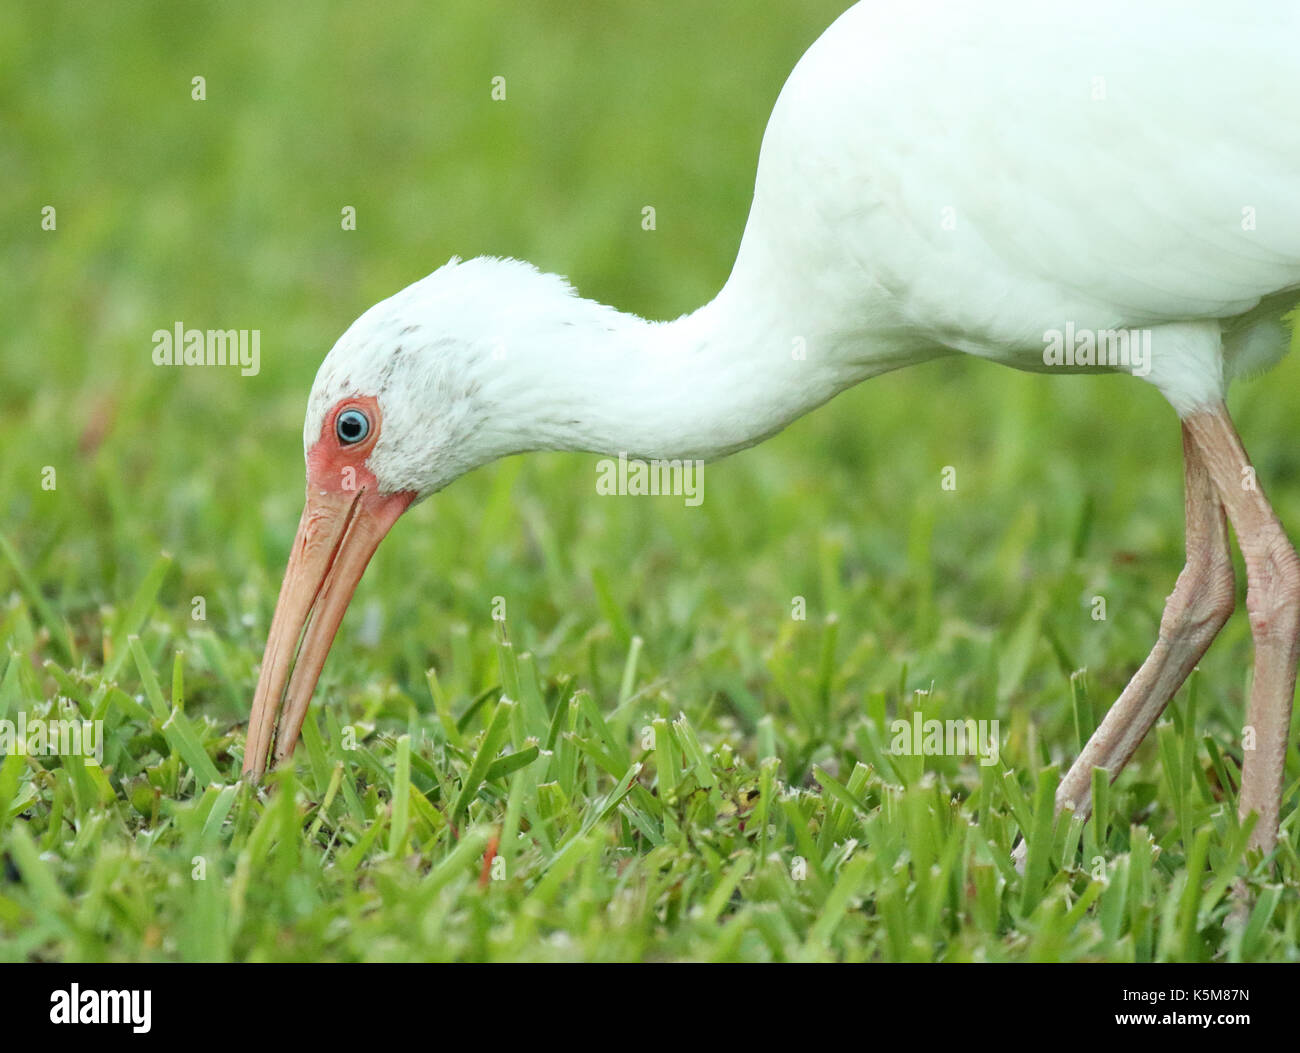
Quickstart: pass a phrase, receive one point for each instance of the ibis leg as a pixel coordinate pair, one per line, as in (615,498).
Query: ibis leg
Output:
(1273,602)
(1201,602)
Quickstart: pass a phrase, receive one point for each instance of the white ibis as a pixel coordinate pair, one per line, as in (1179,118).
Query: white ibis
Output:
(936,178)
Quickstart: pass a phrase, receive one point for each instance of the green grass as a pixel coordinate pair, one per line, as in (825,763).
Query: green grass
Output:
(650,758)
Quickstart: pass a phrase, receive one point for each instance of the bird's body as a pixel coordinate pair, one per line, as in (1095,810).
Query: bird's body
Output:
(936,178)
(966,177)
(919,193)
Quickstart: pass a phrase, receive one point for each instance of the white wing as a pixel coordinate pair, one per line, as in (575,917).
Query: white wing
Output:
(979,173)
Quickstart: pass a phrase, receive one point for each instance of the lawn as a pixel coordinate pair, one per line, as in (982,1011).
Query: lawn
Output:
(676,744)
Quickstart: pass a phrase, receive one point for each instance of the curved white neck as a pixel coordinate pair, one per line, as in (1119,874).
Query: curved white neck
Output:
(710,383)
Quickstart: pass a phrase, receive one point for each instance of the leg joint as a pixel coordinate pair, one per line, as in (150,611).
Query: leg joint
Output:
(1204,597)
(1273,596)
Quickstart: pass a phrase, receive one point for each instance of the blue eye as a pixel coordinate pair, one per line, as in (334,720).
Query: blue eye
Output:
(351,426)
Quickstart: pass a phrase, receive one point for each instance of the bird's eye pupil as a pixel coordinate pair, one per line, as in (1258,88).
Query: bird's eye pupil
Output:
(352,426)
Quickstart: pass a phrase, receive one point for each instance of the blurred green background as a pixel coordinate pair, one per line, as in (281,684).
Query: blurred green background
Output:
(225,213)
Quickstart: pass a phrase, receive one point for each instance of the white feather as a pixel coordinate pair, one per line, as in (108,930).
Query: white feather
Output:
(936,177)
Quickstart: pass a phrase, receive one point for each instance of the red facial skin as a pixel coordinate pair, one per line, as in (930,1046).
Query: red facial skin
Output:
(343,521)
(332,465)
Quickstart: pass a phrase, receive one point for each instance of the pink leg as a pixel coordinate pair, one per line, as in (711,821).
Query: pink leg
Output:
(1201,602)
(1273,601)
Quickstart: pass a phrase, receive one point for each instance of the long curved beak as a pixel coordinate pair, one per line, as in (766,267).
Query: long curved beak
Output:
(337,535)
